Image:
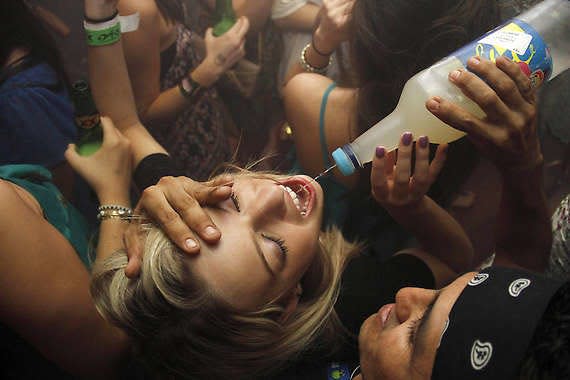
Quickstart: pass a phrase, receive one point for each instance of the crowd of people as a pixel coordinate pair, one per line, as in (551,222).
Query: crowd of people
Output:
(171,252)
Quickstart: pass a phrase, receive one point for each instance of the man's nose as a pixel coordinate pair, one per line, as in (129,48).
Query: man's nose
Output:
(410,300)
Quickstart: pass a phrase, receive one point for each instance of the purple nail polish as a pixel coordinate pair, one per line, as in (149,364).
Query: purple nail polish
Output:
(380,151)
(423,141)
(407,138)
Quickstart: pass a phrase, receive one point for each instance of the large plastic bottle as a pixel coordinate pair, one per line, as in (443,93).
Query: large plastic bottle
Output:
(538,39)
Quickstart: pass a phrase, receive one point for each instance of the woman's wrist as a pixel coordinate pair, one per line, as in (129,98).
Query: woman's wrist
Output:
(99,9)
(116,198)
(323,41)
(206,74)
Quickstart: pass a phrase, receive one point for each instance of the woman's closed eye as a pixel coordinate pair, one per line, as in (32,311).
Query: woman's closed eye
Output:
(279,242)
(235,201)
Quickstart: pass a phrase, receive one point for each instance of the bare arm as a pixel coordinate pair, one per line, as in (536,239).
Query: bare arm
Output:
(44,293)
(508,136)
(403,196)
(142,51)
(332,29)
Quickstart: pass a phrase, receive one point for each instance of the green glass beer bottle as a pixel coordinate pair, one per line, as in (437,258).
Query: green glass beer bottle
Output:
(225,17)
(86,118)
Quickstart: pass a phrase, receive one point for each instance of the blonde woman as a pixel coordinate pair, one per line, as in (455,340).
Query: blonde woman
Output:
(260,290)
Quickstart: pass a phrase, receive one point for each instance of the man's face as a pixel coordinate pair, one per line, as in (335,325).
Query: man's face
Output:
(400,341)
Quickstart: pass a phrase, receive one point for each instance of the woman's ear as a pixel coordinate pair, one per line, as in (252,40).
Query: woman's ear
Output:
(290,302)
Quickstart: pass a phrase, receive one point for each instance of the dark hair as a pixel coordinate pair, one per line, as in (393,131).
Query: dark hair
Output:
(395,39)
(20,28)
(548,354)
(171,10)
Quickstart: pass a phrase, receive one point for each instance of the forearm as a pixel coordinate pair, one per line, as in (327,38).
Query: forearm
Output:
(523,232)
(302,20)
(171,102)
(324,44)
(437,232)
(114,96)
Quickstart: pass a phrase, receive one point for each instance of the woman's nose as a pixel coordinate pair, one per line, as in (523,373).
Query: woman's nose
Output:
(410,300)
(267,201)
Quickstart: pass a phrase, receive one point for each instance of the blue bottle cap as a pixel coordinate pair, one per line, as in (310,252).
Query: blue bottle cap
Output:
(343,162)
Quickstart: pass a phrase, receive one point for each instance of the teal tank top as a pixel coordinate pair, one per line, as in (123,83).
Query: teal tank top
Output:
(37,180)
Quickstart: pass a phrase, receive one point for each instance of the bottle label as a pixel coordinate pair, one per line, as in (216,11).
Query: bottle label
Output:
(517,41)
(86,122)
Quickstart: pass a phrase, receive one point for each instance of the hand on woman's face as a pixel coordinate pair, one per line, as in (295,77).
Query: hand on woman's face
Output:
(270,234)
(400,341)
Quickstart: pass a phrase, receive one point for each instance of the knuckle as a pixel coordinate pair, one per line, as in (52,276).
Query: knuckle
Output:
(167,217)
(488,99)
(506,87)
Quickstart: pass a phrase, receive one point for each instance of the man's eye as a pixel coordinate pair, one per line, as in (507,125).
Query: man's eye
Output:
(235,201)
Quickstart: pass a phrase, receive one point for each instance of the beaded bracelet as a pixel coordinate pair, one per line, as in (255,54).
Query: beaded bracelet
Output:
(105,212)
(103,33)
(310,68)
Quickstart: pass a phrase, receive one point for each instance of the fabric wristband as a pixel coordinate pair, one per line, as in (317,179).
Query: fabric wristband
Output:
(106,33)
(152,168)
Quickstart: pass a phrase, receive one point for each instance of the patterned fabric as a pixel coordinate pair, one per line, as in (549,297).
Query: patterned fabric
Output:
(559,263)
(196,140)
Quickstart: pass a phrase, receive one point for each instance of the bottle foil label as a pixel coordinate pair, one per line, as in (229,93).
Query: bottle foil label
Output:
(517,41)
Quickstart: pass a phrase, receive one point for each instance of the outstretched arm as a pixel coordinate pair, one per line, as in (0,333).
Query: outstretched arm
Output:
(403,196)
(114,97)
(508,136)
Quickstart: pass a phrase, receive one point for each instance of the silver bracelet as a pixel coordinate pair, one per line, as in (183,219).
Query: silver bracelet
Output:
(310,68)
(105,212)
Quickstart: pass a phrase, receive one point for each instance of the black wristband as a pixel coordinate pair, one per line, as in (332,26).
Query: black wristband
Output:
(152,168)
(101,20)
(317,50)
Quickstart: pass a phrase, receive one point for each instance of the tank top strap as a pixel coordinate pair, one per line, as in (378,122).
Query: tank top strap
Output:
(322,135)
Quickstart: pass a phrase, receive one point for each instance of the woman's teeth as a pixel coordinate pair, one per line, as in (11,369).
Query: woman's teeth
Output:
(302,208)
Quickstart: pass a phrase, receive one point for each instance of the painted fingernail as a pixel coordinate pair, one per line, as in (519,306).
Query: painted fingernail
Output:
(423,141)
(474,61)
(191,244)
(454,75)
(380,151)
(407,138)
(433,103)
(210,231)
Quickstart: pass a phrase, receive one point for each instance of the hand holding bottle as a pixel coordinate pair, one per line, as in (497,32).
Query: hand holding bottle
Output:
(108,170)
(507,133)
(393,184)
(222,52)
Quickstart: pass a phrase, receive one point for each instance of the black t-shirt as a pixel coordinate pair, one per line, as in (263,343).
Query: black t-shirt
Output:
(367,284)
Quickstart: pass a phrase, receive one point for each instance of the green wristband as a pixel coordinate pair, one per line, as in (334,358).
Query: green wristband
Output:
(105,36)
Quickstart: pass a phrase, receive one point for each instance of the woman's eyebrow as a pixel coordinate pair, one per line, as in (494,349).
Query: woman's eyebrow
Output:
(422,328)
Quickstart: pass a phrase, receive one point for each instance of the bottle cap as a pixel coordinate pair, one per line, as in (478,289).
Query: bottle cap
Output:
(343,161)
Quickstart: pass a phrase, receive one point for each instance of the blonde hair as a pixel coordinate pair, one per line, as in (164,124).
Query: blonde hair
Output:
(182,330)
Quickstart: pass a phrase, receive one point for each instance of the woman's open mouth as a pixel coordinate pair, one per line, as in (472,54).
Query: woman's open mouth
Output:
(301,192)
